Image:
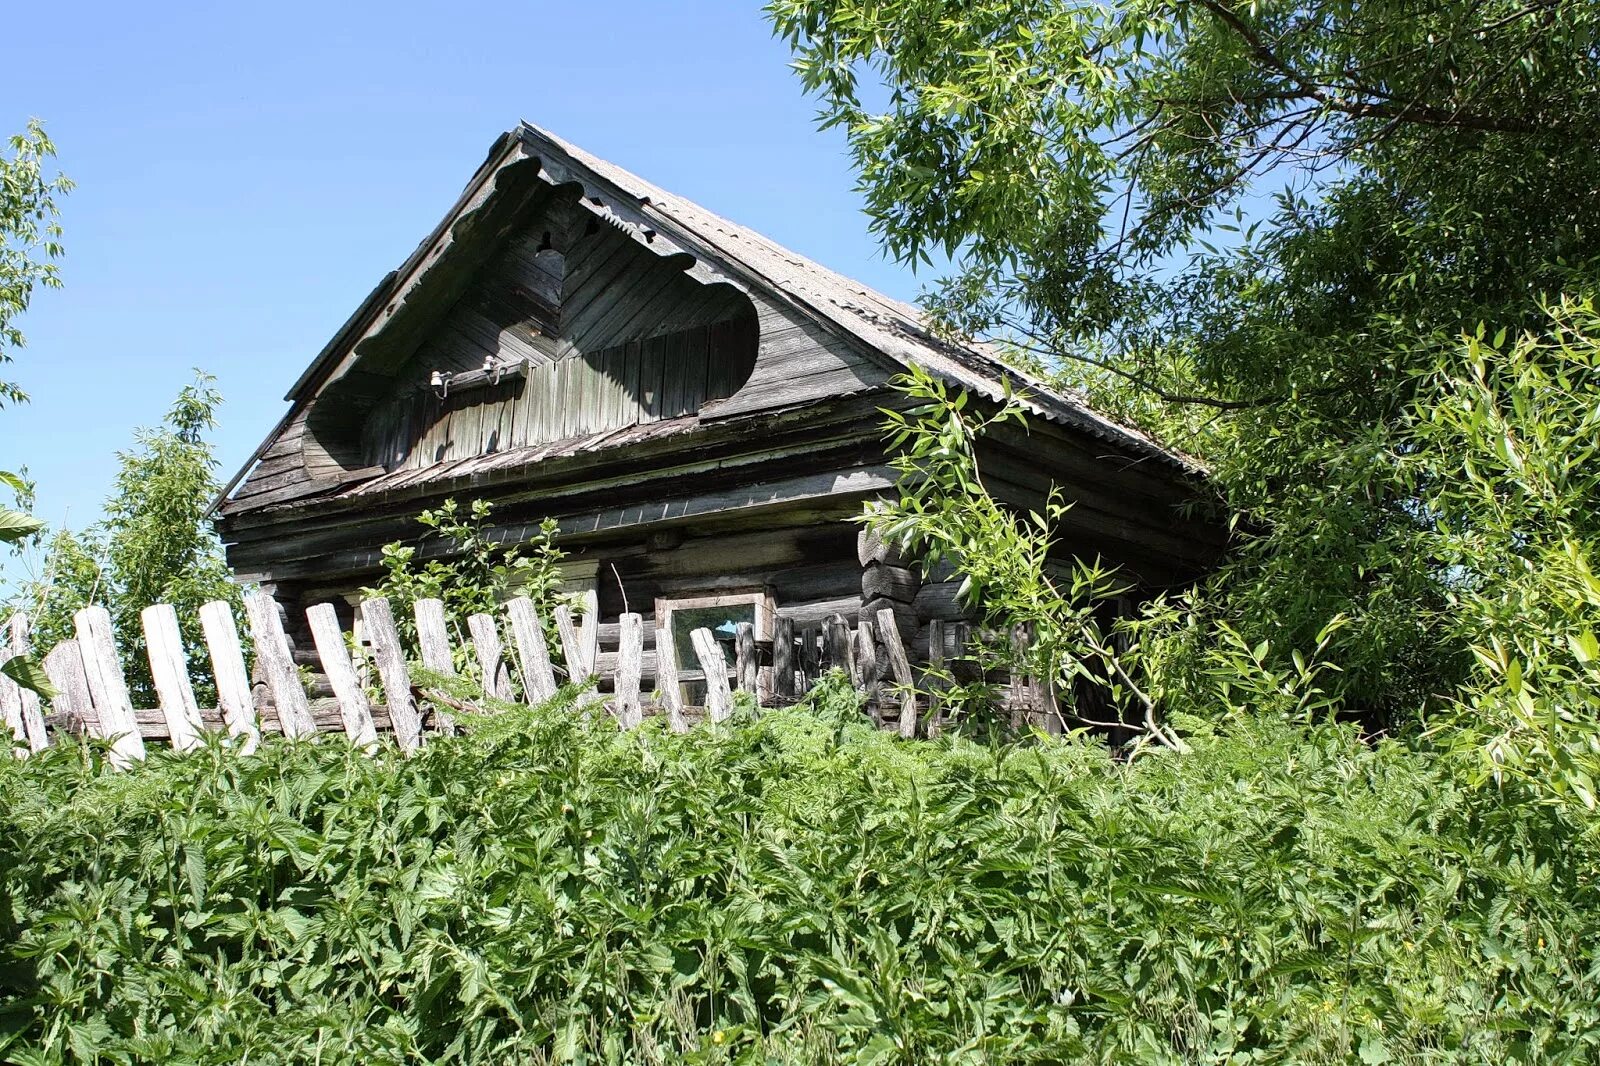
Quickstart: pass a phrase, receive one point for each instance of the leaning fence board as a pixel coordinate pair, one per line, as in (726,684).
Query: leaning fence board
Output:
(233,680)
(491,652)
(277,664)
(64,667)
(746,665)
(900,666)
(377,619)
(32,716)
(864,667)
(169,669)
(572,647)
(108,689)
(355,710)
(935,681)
(837,653)
(533,651)
(630,656)
(667,679)
(719,700)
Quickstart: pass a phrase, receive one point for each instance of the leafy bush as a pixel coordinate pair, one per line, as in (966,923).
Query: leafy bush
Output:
(798,888)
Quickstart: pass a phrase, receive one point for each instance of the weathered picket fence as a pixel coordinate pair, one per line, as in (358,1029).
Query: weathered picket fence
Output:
(92,693)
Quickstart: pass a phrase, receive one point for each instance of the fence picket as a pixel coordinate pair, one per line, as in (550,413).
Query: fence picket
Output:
(837,653)
(377,618)
(935,682)
(277,664)
(490,651)
(32,716)
(746,666)
(630,662)
(572,647)
(11,710)
(533,651)
(433,642)
(667,679)
(864,667)
(233,680)
(108,689)
(64,667)
(783,686)
(900,666)
(719,700)
(169,669)
(354,708)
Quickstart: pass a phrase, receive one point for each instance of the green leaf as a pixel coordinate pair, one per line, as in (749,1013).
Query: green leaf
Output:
(15,526)
(26,671)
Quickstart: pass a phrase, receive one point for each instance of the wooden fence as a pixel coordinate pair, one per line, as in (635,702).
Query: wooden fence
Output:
(92,692)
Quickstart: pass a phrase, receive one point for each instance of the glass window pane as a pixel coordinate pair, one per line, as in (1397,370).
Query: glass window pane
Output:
(722,621)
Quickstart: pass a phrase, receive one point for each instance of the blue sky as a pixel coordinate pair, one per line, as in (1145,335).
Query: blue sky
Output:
(247,173)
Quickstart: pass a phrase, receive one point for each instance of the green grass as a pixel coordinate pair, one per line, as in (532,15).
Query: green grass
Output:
(796,889)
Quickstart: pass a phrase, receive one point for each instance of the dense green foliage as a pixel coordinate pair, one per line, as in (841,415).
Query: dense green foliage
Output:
(30,242)
(1341,251)
(154,545)
(469,571)
(802,888)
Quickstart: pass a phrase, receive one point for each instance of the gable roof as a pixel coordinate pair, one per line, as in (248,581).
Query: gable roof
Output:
(893,332)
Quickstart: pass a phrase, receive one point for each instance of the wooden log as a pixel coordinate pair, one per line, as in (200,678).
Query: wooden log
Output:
(377,618)
(169,669)
(108,688)
(905,615)
(533,651)
(719,699)
(837,652)
(873,547)
(490,651)
(746,663)
(900,667)
(355,710)
(32,715)
(865,667)
(630,652)
(899,583)
(233,680)
(939,599)
(572,647)
(667,682)
(64,667)
(277,665)
(783,679)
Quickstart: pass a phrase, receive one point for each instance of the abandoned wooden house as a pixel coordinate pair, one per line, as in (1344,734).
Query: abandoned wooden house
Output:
(697,407)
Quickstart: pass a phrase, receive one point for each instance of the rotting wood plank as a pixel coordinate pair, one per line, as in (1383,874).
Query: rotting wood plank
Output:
(533,651)
(433,643)
(32,715)
(169,669)
(377,619)
(108,689)
(490,651)
(64,667)
(579,668)
(277,664)
(783,667)
(745,662)
(629,655)
(900,666)
(719,699)
(233,680)
(354,708)
(667,682)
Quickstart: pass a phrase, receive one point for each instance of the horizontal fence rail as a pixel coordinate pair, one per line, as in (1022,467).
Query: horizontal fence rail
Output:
(511,654)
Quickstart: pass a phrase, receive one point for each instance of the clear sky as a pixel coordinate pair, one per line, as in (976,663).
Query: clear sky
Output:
(246,173)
